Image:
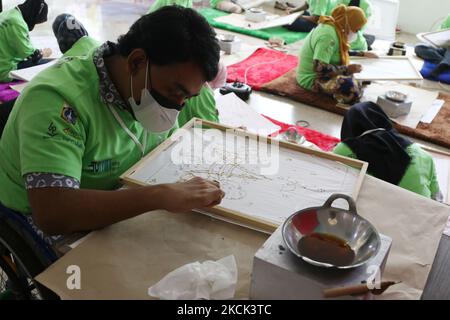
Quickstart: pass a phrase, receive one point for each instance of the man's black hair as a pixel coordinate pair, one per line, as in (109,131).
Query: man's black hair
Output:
(174,34)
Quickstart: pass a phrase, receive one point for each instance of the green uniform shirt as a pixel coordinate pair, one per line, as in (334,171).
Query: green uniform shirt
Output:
(203,106)
(321,44)
(60,125)
(446,23)
(321,7)
(420,176)
(15,44)
(82,47)
(360,44)
(162,3)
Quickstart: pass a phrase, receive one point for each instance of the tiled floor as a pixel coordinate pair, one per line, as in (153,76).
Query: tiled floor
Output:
(107,19)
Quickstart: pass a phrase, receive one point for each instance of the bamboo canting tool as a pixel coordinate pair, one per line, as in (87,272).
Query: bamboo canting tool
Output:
(358,290)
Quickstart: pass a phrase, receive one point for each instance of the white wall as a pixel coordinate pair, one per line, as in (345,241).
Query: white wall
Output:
(421,15)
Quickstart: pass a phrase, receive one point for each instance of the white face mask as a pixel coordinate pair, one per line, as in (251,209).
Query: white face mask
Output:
(352,36)
(150,114)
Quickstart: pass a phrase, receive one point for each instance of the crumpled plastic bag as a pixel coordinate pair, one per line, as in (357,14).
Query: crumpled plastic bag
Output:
(207,280)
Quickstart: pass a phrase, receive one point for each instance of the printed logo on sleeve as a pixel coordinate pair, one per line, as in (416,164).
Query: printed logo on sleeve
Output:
(103,166)
(51,130)
(69,115)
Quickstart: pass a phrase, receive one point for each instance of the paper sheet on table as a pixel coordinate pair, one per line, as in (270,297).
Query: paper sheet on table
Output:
(29,73)
(415,225)
(236,113)
(442,164)
(19,87)
(438,39)
(386,68)
(433,111)
(442,171)
(121,261)
(422,100)
(238,20)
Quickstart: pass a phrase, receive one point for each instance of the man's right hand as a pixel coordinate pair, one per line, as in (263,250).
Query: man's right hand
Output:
(354,68)
(193,194)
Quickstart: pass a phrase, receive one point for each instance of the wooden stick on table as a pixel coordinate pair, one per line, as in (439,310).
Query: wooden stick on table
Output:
(357,290)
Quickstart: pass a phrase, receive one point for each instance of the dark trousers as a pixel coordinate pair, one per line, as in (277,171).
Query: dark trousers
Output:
(437,56)
(29,63)
(301,25)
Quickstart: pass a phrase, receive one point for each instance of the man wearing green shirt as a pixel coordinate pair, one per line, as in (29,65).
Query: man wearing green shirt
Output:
(16,50)
(73,40)
(438,56)
(367,134)
(78,126)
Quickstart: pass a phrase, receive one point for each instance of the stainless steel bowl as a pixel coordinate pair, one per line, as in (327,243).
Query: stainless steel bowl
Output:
(356,232)
(226,37)
(396,96)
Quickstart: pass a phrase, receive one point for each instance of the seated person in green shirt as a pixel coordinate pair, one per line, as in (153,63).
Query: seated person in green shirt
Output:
(73,40)
(362,42)
(367,134)
(438,56)
(16,49)
(324,59)
(84,121)
(310,18)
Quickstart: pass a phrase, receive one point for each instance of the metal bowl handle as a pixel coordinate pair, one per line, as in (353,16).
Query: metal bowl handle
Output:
(350,201)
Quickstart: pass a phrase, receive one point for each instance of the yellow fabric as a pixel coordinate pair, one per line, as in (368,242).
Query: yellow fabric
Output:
(345,19)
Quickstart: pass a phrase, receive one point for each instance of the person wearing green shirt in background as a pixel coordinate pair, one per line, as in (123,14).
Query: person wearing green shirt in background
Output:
(362,43)
(324,59)
(16,49)
(438,56)
(84,121)
(367,134)
(73,40)
(314,9)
